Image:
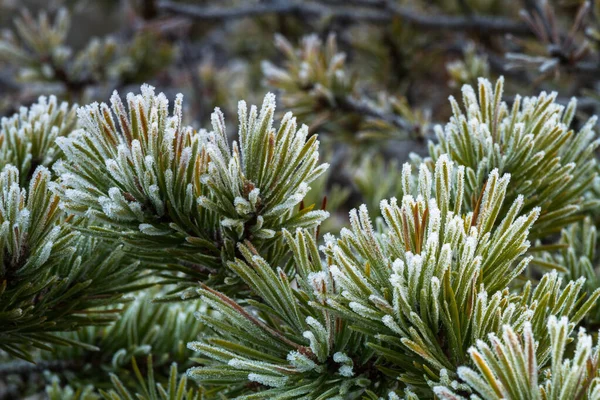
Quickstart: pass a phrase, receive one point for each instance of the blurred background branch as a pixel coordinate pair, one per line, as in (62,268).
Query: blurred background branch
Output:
(358,11)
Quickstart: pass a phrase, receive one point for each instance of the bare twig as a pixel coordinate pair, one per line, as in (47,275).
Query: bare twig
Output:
(479,23)
(217,14)
(364,107)
(362,13)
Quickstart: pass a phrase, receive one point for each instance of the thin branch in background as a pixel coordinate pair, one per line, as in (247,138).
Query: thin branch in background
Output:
(480,23)
(364,107)
(362,13)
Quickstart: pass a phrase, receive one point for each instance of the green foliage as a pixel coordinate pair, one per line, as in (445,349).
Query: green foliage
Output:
(176,388)
(288,346)
(318,87)
(373,190)
(467,70)
(550,164)
(580,257)
(169,191)
(137,246)
(144,327)
(406,299)
(255,188)
(51,277)
(509,369)
(418,292)
(378,310)
(314,75)
(41,53)
(432,281)
(27,139)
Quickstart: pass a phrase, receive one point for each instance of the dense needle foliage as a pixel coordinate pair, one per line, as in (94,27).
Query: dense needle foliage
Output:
(333,238)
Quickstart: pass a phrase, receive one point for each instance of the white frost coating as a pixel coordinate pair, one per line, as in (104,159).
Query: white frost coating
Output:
(393,396)
(268,380)
(317,281)
(388,321)
(346,371)
(301,362)
(341,358)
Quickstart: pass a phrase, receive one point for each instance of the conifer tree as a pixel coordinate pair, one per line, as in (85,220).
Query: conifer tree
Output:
(405,307)
(146,257)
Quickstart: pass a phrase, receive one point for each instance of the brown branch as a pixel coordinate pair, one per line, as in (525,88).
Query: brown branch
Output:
(363,107)
(387,13)
(479,23)
(231,303)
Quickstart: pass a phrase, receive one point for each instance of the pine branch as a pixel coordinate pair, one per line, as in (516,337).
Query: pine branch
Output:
(488,131)
(519,375)
(251,318)
(174,194)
